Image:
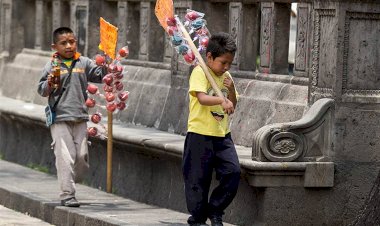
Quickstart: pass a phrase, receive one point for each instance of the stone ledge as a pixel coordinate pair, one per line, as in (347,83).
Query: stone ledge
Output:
(290,174)
(259,174)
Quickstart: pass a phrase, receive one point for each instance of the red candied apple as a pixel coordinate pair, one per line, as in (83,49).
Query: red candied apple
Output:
(124,52)
(95,118)
(100,60)
(189,57)
(118,86)
(90,102)
(91,88)
(107,88)
(110,96)
(204,41)
(111,107)
(171,21)
(107,79)
(123,96)
(121,106)
(171,30)
(192,15)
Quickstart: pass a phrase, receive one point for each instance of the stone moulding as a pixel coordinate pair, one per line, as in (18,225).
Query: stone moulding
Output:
(295,153)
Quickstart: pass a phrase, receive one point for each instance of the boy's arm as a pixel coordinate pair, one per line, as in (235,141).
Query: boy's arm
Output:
(94,72)
(229,84)
(44,85)
(207,100)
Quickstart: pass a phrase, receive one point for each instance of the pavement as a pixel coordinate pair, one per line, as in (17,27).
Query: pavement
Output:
(10,217)
(34,194)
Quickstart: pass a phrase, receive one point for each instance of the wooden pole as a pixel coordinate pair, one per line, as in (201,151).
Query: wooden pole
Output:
(109,154)
(199,57)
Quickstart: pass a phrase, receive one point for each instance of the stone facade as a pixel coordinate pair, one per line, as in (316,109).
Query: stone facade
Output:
(314,135)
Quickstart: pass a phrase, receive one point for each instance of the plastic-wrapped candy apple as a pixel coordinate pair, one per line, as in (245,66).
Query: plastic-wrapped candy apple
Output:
(123,96)
(118,85)
(203,32)
(124,52)
(111,107)
(92,131)
(192,15)
(189,57)
(118,75)
(90,102)
(108,79)
(96,118)
(171,21)
(121,106)
(91,88)
(203,41)
(171,30)
(107,88)
(100,60)
(110,96)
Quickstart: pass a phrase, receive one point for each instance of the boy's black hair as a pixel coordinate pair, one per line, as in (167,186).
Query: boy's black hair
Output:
(59,31)
(221,43)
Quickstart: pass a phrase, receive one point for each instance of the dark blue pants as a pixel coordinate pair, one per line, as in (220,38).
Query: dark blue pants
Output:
(203,154)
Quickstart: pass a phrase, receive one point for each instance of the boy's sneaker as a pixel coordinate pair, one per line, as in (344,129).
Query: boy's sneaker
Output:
(192,222)
(216,221)
(70,202)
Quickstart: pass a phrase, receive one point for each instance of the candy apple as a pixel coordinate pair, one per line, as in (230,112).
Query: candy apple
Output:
(123,96)
(107,88)
(171,21)
(100,60)
(110,96)
(90,102)
(118,86)
(108,79)
(121,106)
(95,118)
(111,107)
(91,88)
(124,52)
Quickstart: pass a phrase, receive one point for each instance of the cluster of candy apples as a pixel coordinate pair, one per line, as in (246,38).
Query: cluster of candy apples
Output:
(114,94)
(196,26)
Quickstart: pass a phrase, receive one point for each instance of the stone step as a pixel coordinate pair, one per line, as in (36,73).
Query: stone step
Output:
(35,193)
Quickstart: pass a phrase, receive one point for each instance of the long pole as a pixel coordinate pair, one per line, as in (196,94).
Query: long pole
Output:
(109,154)
(199,57)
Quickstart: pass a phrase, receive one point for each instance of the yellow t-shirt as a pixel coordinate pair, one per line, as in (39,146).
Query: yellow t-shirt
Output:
(207,120)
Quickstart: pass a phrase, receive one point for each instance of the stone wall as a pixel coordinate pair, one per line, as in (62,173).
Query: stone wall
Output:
(337,57)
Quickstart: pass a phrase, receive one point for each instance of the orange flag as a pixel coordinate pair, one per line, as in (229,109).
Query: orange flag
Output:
(164,10)
(108,38)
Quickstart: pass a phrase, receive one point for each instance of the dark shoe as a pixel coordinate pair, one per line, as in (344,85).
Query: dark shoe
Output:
(198,224)
(70,202)
(191,221)
(216,221)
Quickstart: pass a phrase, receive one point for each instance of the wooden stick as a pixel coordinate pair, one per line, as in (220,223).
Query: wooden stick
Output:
(199,58)
(109,154)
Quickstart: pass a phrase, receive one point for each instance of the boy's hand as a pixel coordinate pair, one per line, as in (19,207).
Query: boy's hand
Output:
(229,84)
(228,106)
(49,80)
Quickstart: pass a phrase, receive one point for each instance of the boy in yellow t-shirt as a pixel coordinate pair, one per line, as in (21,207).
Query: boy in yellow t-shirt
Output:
(208,143)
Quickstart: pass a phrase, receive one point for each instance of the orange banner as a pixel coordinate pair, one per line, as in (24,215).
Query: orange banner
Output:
(164,10)
(108,38)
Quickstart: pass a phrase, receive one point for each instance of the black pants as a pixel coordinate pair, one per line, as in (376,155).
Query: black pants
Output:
(203,154)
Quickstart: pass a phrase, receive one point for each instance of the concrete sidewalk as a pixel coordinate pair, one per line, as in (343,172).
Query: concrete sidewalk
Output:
(29,191)
(10,217)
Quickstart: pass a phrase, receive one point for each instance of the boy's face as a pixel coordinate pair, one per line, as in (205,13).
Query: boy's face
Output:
(66,45)
(220,64)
